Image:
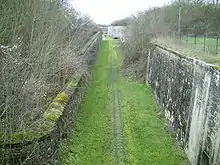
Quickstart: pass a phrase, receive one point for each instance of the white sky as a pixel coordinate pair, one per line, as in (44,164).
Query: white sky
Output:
(107,11)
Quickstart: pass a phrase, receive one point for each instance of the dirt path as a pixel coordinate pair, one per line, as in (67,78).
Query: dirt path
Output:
(118,123)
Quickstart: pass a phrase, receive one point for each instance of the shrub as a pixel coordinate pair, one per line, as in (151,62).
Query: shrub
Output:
(40,43)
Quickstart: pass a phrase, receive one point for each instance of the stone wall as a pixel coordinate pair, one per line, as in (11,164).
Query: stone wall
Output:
(41,146)
(188,92)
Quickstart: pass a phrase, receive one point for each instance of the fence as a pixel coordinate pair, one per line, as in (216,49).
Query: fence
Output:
(204,43)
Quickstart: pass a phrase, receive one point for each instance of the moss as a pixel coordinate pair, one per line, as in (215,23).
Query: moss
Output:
(216,67)
(51,115)
(71,84)
(24,136)
(53,112)
(61,98)
(47,127)
(56,108)
(30,135)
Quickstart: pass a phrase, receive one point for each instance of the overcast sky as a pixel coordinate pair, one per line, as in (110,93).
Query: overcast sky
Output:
(107,11)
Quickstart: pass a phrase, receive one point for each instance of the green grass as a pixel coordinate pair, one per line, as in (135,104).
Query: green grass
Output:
(209,53)
(188,48)
(208,45)
(146,141)
(92,141)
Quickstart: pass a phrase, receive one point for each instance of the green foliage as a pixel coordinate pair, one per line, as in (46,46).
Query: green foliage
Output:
(196,18)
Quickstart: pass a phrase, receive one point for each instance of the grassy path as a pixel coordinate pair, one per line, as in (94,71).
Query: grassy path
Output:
(119,138)
(118,124)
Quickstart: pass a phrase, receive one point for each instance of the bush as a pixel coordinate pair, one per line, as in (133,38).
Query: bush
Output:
(135,47)
(138,34)
(40,43)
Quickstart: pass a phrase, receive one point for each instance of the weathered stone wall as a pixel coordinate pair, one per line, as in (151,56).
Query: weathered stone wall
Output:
(42,146)
(188,92)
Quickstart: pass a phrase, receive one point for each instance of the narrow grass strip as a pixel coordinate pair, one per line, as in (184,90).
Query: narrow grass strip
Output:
(92,141)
